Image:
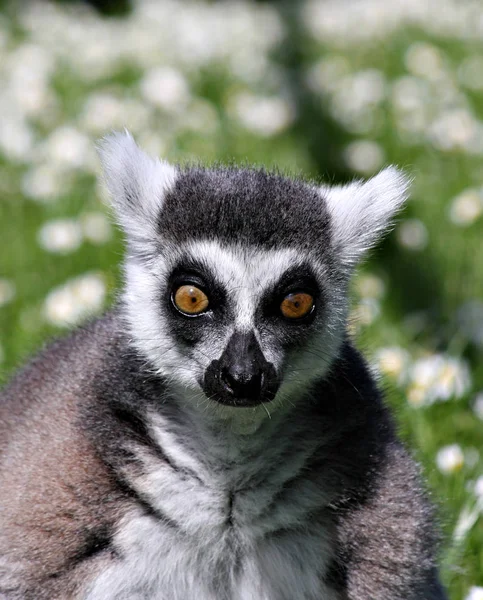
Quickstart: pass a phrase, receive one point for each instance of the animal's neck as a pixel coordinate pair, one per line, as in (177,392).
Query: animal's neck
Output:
(239,447)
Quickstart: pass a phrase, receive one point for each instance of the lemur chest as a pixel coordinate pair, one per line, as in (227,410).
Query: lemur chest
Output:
(205,541)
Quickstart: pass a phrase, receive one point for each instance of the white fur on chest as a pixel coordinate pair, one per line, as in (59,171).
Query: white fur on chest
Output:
(212,540)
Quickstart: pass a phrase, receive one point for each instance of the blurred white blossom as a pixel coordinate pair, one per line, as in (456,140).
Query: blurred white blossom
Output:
(466,207)
(365,312)
(478,488)
(60,236)
(437,378)
(96,227)
(478,405)
(7,291)
(16,138)
(69,148)
(72,302)
(364,156)
(370,286)
(393,361)
(103,112)
(412,234)
(45,183)
(166,88)
(424,60)
(475,593)
(264,116)
(450,459)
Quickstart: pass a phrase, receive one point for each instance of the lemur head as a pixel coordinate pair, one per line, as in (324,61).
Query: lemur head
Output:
(236,279)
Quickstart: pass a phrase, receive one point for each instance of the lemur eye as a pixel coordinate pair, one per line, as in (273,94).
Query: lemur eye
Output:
(297,305)
(190,300)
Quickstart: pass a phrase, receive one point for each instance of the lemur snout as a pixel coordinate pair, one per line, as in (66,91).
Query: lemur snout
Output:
(242,376)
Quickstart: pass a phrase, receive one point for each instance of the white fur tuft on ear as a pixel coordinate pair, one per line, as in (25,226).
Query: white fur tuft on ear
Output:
(361,212)
(136,182)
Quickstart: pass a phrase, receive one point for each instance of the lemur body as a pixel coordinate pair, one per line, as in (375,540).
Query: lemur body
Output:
(215,436)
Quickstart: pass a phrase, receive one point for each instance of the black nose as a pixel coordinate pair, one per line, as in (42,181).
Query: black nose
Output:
(242,376)
(242,384)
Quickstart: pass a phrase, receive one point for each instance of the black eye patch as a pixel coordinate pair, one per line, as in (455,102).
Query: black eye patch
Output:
(190,329)
(297,280)
(196,273)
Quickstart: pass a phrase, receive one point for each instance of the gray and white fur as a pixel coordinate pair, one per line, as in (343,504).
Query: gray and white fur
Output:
(235,454)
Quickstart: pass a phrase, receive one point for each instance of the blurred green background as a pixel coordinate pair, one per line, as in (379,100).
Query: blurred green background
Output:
(329,90)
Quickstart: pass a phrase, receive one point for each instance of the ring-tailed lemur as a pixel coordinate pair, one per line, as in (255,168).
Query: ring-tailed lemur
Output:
(216,436)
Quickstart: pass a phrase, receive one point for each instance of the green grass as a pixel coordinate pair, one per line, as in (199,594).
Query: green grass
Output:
(425,283)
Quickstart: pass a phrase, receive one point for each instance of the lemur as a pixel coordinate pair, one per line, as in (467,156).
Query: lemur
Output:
(216,435)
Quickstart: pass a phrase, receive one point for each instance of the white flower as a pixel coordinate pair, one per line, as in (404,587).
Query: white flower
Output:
(45,183)
(166,88)
(364,156)
(450,459)
(454,129)
(478,488)
(356,100)
(68,147)
(478,405)
(60,236)
(370,286)
(466,207)
(265,116)
(7,291)
(393,361)
(102,112)
(72,302)
(16,138)
(475,593)
(96,227)
(412,234)
(325,75)
(410,94)
(438,378)
(425,60)
(366,312)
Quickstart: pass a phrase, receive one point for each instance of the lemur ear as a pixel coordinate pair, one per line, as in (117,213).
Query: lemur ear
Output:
(137,184)
(361,212)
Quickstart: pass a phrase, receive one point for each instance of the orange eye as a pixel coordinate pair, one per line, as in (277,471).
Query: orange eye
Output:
(296,306)
(190,300)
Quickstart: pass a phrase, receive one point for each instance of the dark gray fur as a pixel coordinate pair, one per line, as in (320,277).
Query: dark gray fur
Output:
(252,206)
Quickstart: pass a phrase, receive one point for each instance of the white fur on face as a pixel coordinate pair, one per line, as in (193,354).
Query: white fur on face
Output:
(246,274)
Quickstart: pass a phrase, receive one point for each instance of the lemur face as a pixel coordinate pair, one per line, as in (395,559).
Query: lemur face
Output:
(238,315)
(236,322)
(236,279)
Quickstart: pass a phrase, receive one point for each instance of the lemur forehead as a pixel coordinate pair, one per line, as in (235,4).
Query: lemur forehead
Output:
(245,206)
(246,273)
(238,266)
